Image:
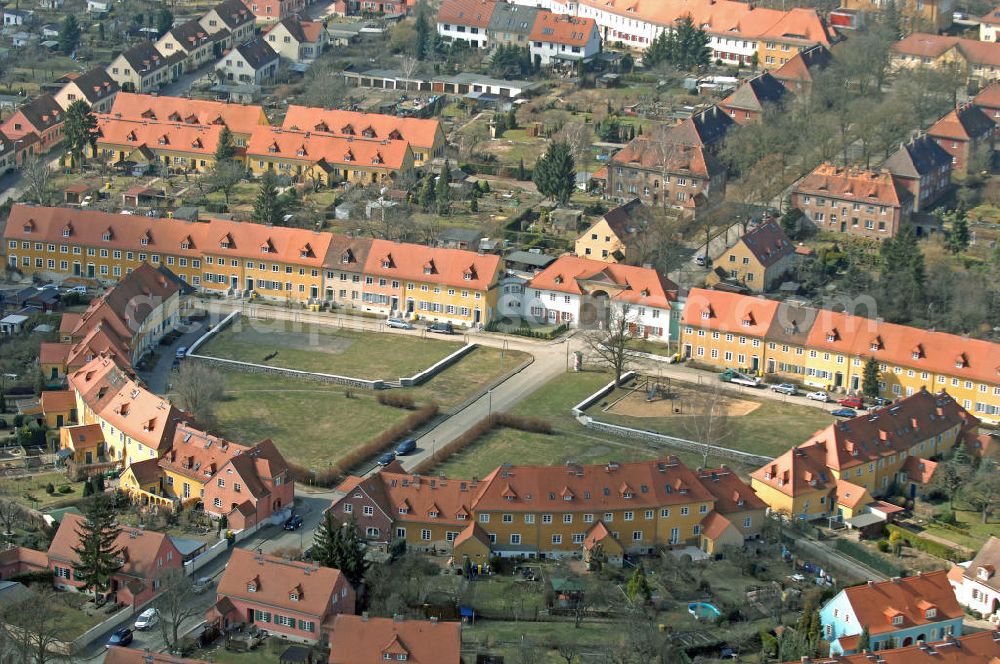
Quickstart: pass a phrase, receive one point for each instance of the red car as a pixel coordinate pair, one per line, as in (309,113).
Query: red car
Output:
(852,402)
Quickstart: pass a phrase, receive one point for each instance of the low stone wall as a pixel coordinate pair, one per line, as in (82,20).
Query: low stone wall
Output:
(248,367)
(437,367)
(579,408)
(206,556)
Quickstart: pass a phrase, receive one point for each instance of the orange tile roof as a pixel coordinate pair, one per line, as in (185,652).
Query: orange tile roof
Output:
(473,531)
(800,67)
(466,12)
(55,401)
(859,185)
(597,534)
(638,285)
(119,400)
(800,470)
(175,137)
(725,17)
(415,262)
(965,123)
(275,580)
(53,352)
(910,597)
(889,430)
(68,322)
(562,29)
(976,648)
(85,436)
(198,455)
(315,147)
(921,470)
(22,554)
(417,131)
(731,493)
(674,157)
(582,488)
(988,97)
(714,525)
(851,495)
(364,640)
(139,547)
(119,655)
(924,45)
(240,118)
(416,498)
(728,312)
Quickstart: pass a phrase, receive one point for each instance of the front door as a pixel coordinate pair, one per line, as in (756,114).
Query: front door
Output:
(88,457)
(249,283)
(477,315)
(234,283)
(59,420)
(91,271)
(76,268)
(754,363)
(838,379)
(395,303)
(313,292)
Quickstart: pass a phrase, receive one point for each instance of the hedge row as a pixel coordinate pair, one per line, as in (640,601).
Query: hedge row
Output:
(329,477)
(397,400)
(915,541)
(480,429)
(863,555)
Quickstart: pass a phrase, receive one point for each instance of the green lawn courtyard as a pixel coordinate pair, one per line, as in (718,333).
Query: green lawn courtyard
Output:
(30,489)
(328,349)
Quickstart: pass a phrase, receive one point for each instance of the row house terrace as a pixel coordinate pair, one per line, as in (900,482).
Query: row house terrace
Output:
(241,119)
(851,201)
(181,148)
(828,350)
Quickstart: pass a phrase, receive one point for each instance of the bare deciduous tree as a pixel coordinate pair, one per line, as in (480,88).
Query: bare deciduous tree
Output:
(32,630)
(199,387)
(707,420)
(37,177)
(611,345)
(11,512)
(176,603)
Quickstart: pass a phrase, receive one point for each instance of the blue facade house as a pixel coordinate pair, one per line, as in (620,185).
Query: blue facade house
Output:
(897,613)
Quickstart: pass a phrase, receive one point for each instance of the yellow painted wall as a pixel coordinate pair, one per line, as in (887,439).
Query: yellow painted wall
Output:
(599,243)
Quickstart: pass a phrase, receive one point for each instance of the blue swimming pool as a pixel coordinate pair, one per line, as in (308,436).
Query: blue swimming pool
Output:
(703,611)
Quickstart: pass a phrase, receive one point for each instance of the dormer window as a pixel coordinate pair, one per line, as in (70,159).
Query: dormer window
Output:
(897,619)
(28,227)
(67,232)
(346,257)
(830,336)
(185,245)
(251,587)
(106,237)
(386,263)
(930,613)
(432,515)
(144,241)
(349,156)
(224,244)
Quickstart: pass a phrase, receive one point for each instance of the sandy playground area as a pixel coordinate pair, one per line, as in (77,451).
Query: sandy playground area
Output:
(686,400)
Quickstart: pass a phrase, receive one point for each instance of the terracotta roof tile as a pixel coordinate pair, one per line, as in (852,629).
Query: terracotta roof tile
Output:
(475,13)
(562,29)
(713,525)
(625,283)
(728,312)
(967,122)
(360,640)
(58,400)
(140,546)
(418,132)
(863,186)
(315,147)
(732,495)
(756,94)
(240,118)
(137,134)
(871,601)
(415,262)
(119,655)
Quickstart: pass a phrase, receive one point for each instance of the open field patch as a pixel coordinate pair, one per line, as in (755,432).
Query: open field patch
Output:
(676,401)
(327,349)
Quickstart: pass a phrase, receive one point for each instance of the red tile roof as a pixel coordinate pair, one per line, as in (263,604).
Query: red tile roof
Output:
(415,262)
(240,118)
(275,580)
(138,548)
(859,185)
(625,283)
(562,29)
(728,312)
(965,123)
(418,132)
(135,134)
(924,45)
(800,470)
(363,640)
(731,494)
(416,498)
(910,597)
(85,436)
(475,13)
(976,648)
(198,455)
(119,655)
(55,401)
(674,157)
(314,147)
(714,525)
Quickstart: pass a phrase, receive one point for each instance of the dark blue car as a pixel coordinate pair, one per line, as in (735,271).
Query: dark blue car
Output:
(844,412)
(120,637)
(406,447)
(386,458)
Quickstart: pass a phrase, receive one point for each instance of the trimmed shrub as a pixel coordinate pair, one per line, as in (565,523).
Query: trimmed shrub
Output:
(480,429)
(396,400)
(863,555)
(883,546)
(915,541)
(65,488)
(50,488)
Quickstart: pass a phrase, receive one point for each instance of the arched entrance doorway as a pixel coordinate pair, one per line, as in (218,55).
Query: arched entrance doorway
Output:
(595,309)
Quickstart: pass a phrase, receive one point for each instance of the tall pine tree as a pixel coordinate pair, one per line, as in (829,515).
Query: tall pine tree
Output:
(267,207)
(226,149)
(555,173)
(338,546)
(80,130)
(97,551)
(869,380)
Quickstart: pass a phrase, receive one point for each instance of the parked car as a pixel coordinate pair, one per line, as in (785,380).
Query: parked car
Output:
(785,388)
(202,584)
(406,447)
(48,287)
(818,396)
(147,619)
(398,323)
(294,522)
(441,328)
(851,402)
(699,260)
(844,412)
(82,290)
(181,353)
(120,637)
(881,401)
(386,459)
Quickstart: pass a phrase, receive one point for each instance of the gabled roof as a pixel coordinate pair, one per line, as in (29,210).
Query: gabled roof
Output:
(137,134)
(42,112)
(54,401)
(95,85)
(233,13)
(714,525)
(988,97)
(728,312)
(347,254)
(416,262)
(917,157)
(119,655)
(144,58)
(800,470)
(923,45)
(874,603)
(85,435)
(257,53)
(623,283)
(315,147)
(303,32)
(732,495)
(274,581)
(703,128)
(627,218)
(364,640)
(592,487)
(413,497)
(510,18)
(756,94)
(768,243)
(967,122)
(668,156)
(983,568)
(146,472)
(139,549)
(976,648)
(562,29)
(240,118)
(198,455)
(992,17)
(475,13)
(261,462)
(889,430)
(419,132)
(190,35)
(799,68)
(868,187)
